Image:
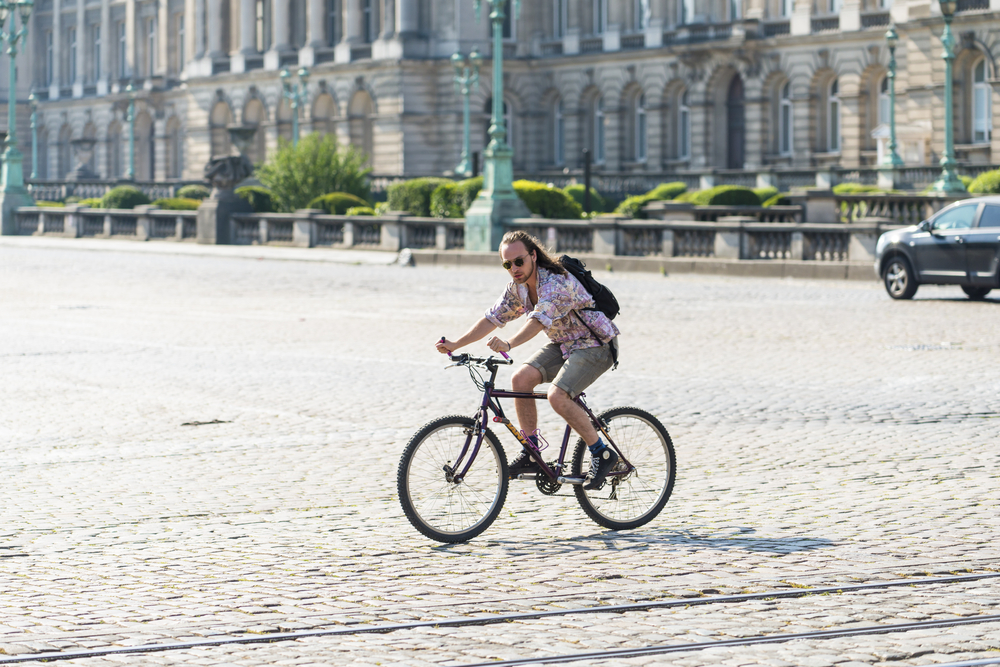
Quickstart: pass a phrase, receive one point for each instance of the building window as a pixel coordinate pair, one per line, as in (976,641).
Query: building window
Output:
(49,60)
(833,6)
(640,129)
(885,4)
(122,51)
(559,18)
(332,22)
(785,121)
(263,22)
(982,111)
(833,118)
(151,47)
(181,55)
(368,21)
(97,52)
(684,128)
(735,13)
(685,12)
(883,102)
(559,135)
(786,8)
(508,22)
(640,9)
(600,131)
(71,40)
(600,16)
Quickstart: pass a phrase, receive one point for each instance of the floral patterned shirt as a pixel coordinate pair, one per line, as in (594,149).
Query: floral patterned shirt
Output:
(558,297)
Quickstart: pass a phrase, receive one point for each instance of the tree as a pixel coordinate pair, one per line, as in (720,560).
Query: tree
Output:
(296,175)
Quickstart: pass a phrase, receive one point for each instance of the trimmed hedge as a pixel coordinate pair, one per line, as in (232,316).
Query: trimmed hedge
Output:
(414,196)
(632,206)
(780,199)
(194,192)
(987,183)
(597,202)
(93,202)
(547,201)
(726,195)
(856,189)
(41,203)
(260,198)
(360,210)
(665,191)
(124,196)
(453,199)
(177,204)
(337,203)
(766,193)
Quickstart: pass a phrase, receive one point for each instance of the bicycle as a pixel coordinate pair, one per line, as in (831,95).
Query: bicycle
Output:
(453,479)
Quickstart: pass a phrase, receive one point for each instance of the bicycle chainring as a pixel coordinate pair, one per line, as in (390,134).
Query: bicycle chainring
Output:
(546,485)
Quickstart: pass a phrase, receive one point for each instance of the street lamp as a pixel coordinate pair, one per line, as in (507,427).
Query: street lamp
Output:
(892,159)
(949,181)
(466,76)
(34,135)
(297,95)
(497,202)
(130,119)
(13,170)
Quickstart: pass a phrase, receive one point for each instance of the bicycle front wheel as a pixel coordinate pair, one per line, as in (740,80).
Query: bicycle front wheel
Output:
(631,500)
(436,505)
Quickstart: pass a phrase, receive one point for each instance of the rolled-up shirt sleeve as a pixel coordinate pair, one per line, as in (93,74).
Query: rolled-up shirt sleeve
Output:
(507,308)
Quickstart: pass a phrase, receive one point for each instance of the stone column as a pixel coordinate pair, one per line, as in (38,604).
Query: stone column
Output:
(753,137)
(105,55)
(214,28)
(81,53)
(281,36)
(850,16)
(162,39)
(56,51)
(351,29)
(316,33)
(248,36)
(802,17)
(130,50)
(407,17)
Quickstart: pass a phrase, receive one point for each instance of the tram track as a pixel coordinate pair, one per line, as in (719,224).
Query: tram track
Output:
(464,621)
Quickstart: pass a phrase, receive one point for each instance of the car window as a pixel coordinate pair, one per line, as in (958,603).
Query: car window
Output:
(959,217)
(990,216)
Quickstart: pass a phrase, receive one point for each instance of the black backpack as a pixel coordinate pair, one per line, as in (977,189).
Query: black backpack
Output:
(604,300)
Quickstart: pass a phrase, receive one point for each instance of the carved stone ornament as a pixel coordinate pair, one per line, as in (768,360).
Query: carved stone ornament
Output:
(225,172)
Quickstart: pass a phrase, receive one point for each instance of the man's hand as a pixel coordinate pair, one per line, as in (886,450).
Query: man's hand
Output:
(445,346)
(498,344)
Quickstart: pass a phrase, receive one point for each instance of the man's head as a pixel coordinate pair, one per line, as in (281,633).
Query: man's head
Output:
(520,246)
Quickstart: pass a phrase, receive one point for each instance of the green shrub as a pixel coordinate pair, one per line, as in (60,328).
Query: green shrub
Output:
(124,196)
(632,206)
(856,189)
(360,210)
(547,201)
(987,183)
(687,197)
(467,191)
(597,202)
(297,174)
(666,191)
(72,199)
(766,193)
(260,198)
(178,204)
(93,202)
(414,196)
(780,199)
(966,181)
(726,195)
(194,192)
(443,201)
(337,203)
(41,203)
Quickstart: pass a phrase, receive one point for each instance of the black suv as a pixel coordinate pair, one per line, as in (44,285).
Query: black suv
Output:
(959,245)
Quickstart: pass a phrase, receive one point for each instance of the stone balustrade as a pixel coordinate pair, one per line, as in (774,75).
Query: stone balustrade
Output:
(141,223)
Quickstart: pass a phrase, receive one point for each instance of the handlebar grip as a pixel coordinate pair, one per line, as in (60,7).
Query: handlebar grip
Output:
(505,355)
(442,340)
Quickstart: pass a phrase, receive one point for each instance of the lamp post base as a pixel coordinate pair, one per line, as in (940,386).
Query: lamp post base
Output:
(949,182)
(486,218)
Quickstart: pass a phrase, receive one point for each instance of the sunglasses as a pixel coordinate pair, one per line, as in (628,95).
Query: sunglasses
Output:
(518,262)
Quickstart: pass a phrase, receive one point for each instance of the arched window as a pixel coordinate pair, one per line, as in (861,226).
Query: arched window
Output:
(684,128)
(559,134)
(785,120)
(324,114)
(361,123)
(599,131)
(64,154)
(833,118)
(115,161)
(982,111)
(640,129)
(175,149)
(600,16)
(883,102)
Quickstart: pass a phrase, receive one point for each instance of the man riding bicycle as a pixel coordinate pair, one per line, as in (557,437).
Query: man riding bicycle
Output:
(583,345)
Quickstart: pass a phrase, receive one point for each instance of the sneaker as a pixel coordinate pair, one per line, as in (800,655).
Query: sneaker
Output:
(523,464)
(600,465)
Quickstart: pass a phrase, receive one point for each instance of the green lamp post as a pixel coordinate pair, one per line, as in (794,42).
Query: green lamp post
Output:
(297,95)
(466,77)
(949,181)
(12,176)
(891,158)
(497,202)
(130,119)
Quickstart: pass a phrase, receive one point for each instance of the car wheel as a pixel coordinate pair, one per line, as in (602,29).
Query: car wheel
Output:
(898,278)
(976,293)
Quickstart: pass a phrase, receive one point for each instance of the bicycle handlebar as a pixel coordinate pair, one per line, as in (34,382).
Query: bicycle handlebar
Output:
(487,362)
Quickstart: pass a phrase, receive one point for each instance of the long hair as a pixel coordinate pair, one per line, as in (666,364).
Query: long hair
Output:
(532,244)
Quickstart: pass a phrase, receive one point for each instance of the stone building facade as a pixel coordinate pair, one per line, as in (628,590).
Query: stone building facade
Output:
(649,86)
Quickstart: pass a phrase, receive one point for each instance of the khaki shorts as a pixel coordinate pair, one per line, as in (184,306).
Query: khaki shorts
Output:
(575,374)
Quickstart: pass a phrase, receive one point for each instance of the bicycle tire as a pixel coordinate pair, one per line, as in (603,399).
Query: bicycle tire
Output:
(640,496)
(445,511)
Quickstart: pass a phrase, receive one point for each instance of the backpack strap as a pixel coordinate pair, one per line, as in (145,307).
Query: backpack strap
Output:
(614,350)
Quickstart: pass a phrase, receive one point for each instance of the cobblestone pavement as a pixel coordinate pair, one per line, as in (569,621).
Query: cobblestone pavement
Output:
(203,447)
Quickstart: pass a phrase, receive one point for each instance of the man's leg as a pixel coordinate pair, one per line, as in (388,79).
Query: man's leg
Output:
(526,378)
(574,415)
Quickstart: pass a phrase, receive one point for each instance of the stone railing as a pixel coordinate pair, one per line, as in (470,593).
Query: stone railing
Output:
(59,190)
(902,209)
(141,223)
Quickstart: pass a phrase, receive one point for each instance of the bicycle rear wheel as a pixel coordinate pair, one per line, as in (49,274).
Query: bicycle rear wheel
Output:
(631,500)
(444,510)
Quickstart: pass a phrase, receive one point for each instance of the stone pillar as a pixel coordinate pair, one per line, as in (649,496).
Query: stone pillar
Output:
(821,207)
(105,55)
(407,17)
(850,16)
(162,39)
(754,147)
(281,36)
(352,29)
(130,51)
(81,53)
(802,17)
(316,33)
(57,27)
(248,36)
(198,29)
(215,28)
